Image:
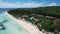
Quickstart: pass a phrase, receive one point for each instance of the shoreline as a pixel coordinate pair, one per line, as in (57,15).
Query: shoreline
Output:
(31,29)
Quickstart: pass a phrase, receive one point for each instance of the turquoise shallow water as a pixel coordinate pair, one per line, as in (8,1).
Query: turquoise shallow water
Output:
(10,26)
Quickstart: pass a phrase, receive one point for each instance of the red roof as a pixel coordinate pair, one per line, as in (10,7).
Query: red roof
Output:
(57,20)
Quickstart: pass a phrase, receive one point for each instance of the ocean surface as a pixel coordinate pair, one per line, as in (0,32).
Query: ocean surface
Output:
(9,26)
(2,10)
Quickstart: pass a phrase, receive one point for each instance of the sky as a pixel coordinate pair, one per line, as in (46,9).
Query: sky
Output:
(28,3)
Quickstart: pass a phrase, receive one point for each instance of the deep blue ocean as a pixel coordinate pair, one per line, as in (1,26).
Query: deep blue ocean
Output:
(2,10)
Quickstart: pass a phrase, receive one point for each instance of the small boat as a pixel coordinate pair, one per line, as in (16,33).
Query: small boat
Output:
(2,27)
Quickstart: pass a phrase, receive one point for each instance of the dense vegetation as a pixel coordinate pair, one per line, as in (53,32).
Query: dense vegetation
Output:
(46,23)
(50,11)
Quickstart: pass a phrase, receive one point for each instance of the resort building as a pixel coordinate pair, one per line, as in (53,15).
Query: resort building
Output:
(57,20)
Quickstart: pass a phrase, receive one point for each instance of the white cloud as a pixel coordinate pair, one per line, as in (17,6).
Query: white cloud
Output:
(23,5)
(7,5)
(18,2)
(52,4)
(19,5)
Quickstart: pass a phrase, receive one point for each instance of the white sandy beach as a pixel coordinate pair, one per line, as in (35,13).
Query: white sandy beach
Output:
(28,26)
